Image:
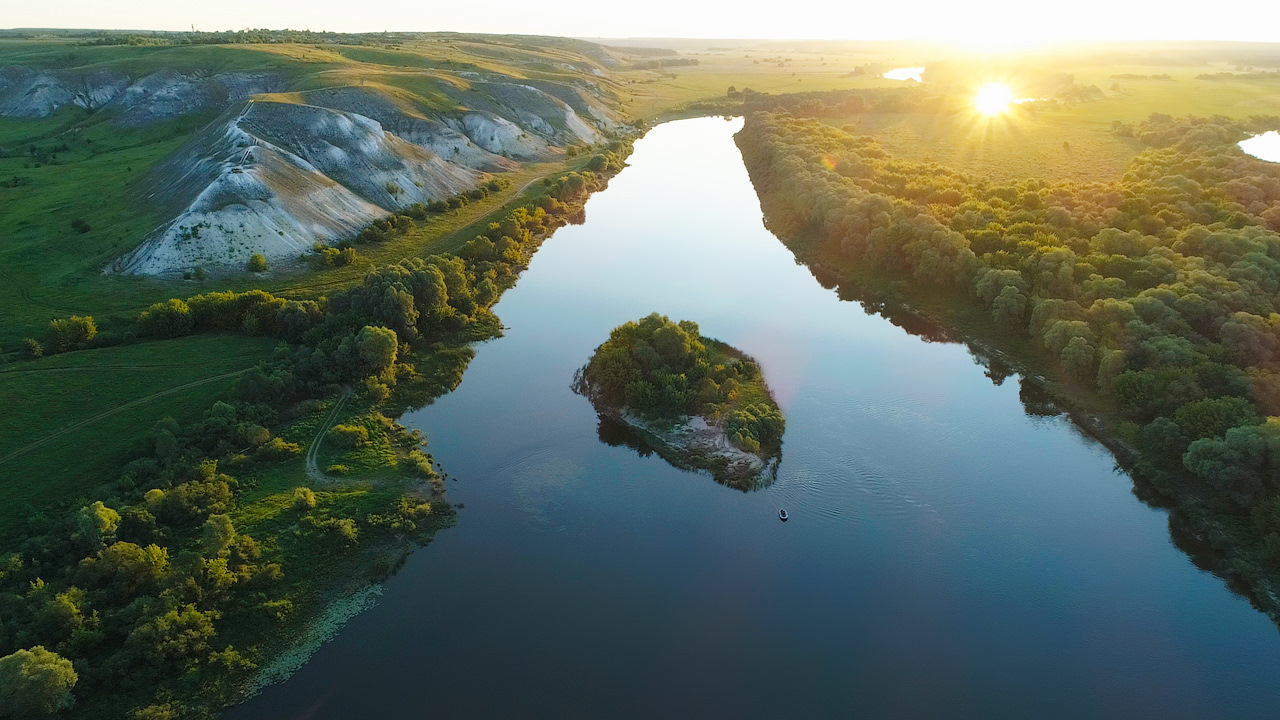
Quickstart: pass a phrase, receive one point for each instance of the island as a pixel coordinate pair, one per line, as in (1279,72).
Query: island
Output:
(697,402)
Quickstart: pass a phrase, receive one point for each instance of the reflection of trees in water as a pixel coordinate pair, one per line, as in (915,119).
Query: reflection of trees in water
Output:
(1038,402)
(616,433)
(619,434)
(996,371)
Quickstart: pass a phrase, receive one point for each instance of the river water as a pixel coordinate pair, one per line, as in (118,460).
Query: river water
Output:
(1265,146)
(948,555)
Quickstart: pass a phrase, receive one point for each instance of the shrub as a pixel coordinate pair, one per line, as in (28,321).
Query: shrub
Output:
(304,498)
(32,348)
(349,436)
(341,529)
(337,469)
(171,318)
(419,464)
(279,449)
(70,333)
(257,263)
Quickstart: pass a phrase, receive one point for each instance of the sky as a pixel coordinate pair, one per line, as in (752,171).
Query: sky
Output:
(978,23)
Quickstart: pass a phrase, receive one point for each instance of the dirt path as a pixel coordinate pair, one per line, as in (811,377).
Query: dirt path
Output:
(313,470)
(117,409)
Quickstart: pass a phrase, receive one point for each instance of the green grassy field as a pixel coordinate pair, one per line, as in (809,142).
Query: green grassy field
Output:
(1030,143)
(72,420)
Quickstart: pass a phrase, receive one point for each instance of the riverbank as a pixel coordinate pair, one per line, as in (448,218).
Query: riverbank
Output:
(1219,543)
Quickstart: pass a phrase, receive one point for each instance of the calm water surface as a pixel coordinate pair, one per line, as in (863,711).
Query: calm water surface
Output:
(948,556)
(1264,147)
(906,73)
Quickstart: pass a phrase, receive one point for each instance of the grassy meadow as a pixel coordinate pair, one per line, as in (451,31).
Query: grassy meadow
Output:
(72,420)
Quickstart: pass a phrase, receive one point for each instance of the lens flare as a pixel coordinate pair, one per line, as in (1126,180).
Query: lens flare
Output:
(993,99)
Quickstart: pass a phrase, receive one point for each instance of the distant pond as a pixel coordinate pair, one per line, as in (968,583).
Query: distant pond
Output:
(906,73)
(1264,147)
(955,548)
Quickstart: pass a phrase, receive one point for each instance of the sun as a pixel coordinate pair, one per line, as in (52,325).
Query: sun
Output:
(993,99)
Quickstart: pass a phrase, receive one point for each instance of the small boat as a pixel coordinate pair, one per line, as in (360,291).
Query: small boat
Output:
(782,515)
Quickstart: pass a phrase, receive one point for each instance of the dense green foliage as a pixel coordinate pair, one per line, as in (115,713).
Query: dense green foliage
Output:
(151,593)
(665,370)
(1156,292)
(35,683)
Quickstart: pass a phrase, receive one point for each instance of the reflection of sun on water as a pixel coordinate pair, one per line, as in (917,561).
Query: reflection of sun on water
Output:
(993,99)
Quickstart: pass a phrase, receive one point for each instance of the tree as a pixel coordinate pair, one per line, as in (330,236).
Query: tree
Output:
(35,683)
(178,636)
(171,318)
(1213,417)
(218,534)
(377,347)
(130,566)
(70,333)
(1241,464)
(98,524)
(257,263)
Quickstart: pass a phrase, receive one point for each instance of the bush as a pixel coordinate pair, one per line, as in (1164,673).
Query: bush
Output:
(304,498)
(257,263)
(342,529)
(349,436)
(71,333)
(32,348)
(337,469)
(419,464)
(169,319)
(279,449)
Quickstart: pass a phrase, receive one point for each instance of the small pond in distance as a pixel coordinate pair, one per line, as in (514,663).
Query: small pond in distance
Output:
(907,73)
(1264,147)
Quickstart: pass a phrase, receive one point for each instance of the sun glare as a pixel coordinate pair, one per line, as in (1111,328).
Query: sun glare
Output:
(993,99)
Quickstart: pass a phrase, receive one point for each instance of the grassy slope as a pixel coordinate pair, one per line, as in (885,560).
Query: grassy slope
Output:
(51,395)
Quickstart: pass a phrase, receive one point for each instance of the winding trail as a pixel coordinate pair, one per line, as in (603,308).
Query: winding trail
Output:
(313,470)
(117,409)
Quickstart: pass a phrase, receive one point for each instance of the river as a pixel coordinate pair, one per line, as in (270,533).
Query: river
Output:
(948,554)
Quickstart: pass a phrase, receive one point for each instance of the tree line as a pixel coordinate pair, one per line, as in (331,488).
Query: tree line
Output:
(147,598)
(1156,291)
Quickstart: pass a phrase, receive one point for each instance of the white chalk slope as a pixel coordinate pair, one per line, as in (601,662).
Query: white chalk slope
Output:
(275,178)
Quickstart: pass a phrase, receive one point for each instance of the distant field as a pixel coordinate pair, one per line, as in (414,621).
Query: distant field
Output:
(1031,144)
(650,93)
(1185,94)
(45,397)
(1003,148)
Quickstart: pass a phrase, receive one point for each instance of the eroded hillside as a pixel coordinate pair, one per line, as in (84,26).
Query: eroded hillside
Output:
(310,143)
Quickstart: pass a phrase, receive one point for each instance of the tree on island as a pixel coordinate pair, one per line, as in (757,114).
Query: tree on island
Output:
(666,371)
